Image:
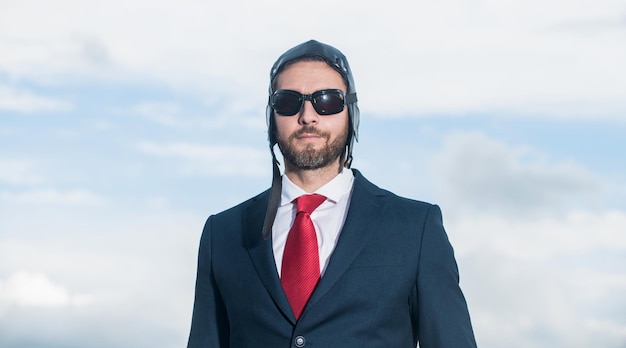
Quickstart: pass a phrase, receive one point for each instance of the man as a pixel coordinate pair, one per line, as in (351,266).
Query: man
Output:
(325,258)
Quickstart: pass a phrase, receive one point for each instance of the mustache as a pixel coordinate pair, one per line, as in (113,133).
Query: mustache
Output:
(309,130)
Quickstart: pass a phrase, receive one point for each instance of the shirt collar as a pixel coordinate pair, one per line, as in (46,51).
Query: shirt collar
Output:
(332,190)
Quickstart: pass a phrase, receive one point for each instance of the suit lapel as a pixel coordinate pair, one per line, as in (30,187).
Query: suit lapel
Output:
(362,219)
(262,255)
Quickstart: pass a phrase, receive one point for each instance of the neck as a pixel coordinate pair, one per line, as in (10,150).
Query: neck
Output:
(312,179)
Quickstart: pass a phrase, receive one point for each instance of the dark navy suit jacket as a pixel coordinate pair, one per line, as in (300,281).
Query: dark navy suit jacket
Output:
(391,281)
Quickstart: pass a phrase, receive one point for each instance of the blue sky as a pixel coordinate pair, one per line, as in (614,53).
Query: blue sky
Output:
(124,124)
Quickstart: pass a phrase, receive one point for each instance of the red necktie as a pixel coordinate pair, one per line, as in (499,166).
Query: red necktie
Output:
(301,261)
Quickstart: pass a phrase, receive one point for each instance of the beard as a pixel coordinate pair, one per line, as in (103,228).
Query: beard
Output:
(310,158)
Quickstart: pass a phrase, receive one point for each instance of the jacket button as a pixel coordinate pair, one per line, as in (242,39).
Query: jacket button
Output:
(300,341)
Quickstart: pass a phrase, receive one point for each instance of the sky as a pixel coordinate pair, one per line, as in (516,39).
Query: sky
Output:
(125,124)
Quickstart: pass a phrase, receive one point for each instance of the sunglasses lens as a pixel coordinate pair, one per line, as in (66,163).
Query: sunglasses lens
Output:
(328,102)
(325,102)
(286,103)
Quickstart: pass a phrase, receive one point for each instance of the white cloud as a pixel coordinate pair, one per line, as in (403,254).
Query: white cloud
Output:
(164,113)
(106,275)
(541,239)
(224,114)
(14,99)
(478,173)
(516,57)
(75,197)
(219,159)
(541,262)
(604,329)
(29,289)
(544,282)
(19,172)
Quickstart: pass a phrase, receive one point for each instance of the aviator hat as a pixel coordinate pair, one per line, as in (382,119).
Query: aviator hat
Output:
(335,59)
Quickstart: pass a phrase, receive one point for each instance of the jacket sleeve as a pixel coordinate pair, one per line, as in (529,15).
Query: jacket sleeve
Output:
(209,324)
(443,319)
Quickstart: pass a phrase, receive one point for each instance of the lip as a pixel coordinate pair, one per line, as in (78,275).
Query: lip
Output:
(309,136)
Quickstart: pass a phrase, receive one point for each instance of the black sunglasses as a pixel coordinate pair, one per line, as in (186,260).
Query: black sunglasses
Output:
(325,102)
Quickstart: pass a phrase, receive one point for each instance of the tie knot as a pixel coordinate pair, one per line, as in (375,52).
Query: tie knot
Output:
(308,203)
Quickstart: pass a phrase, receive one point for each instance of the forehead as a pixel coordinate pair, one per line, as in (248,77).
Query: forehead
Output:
(309,76)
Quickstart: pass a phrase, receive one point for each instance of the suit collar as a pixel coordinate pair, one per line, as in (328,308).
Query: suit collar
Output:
(362,219)
(261,254)
(363,216)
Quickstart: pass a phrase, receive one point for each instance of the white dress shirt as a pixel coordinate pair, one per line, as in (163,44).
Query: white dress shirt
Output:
(328,218)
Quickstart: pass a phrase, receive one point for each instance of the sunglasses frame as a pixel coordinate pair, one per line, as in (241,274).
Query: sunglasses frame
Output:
(310,97)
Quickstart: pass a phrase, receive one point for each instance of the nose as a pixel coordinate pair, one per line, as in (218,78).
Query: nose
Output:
(308,115)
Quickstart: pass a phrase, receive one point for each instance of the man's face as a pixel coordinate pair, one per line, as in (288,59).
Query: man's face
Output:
(307,139)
